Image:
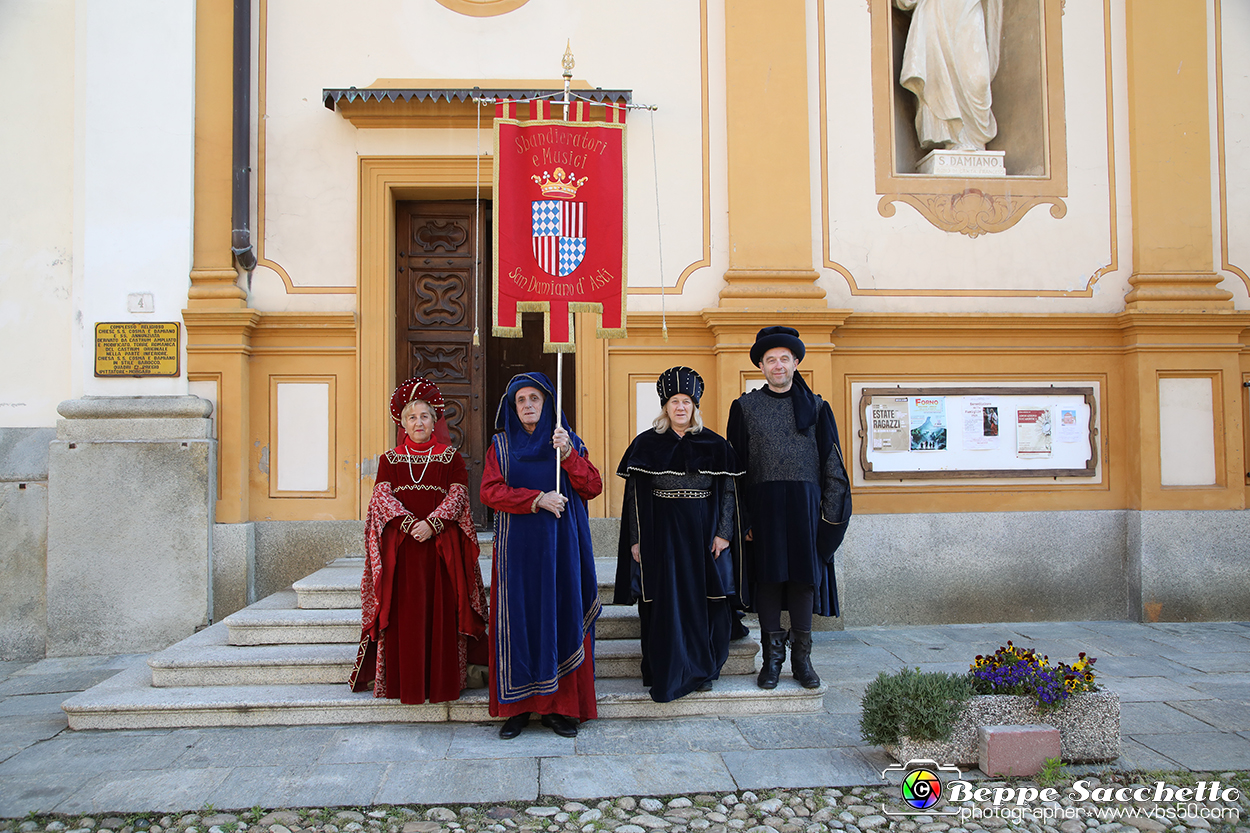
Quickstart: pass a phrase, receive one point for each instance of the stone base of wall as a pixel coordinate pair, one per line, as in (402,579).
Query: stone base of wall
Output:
(1045,566)
(131,496)
(1188,566)
(23,541)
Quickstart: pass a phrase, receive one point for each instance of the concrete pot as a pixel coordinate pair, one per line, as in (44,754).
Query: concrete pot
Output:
(1088,724)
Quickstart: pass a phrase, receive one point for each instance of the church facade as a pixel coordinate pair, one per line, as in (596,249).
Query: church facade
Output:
(301,194)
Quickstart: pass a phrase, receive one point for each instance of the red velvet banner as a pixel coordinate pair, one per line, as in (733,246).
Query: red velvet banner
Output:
(559,221)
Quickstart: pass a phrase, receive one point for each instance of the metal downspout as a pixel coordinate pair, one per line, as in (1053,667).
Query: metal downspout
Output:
(240,235)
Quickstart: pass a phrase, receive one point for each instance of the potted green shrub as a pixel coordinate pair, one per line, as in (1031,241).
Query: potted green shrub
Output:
(915,714)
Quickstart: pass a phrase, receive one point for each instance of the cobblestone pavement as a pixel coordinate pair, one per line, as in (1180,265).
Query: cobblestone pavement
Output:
(1071,808)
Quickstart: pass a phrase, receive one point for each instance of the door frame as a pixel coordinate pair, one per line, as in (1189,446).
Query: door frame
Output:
(382,181)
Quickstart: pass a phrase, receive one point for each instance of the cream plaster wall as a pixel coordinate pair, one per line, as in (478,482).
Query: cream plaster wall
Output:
(301,461)
(906,252)
(310,164)
(1186,432)
(36,210)
(1235,37)
(133,152)
(702,287)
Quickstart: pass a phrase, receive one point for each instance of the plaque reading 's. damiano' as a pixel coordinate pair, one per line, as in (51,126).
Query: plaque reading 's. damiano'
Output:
(134,348)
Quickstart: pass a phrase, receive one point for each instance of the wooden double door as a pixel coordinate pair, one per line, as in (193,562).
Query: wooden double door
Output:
(440,298)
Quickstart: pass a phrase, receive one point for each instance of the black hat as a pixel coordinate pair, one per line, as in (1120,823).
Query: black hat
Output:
(770,337)
(677,380)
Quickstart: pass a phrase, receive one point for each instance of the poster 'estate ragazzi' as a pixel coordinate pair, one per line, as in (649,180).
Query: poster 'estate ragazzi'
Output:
(559,220)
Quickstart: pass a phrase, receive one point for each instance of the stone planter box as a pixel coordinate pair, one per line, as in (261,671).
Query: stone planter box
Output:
(1088,724)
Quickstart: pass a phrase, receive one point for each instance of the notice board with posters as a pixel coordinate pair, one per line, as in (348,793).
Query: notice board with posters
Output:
(947,432)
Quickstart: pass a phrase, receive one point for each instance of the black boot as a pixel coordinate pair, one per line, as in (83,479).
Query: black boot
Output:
(774,645)
(801,659)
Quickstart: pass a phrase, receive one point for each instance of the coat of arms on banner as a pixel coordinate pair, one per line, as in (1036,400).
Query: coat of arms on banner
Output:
(559,225)
(560,222)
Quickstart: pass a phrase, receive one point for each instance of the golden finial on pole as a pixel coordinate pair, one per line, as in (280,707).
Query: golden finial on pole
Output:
(567,62)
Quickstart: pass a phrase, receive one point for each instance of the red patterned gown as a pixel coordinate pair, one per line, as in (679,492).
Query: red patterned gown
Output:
(423,606)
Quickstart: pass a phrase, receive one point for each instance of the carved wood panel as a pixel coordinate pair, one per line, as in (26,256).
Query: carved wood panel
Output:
(438,300)
(439,364)
(437,248)
(436,234)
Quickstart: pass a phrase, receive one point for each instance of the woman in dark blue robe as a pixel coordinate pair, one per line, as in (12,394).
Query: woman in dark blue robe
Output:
(673,555)
(544,592)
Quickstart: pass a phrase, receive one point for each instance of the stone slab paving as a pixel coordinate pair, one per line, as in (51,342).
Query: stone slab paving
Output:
(1184,691)
(647,774)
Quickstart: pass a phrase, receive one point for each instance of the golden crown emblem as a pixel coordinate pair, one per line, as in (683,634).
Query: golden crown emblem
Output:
(559,184)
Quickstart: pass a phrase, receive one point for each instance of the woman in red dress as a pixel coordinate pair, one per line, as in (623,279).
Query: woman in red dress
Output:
(423,606)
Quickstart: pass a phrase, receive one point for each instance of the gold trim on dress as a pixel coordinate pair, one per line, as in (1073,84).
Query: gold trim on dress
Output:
(442,457)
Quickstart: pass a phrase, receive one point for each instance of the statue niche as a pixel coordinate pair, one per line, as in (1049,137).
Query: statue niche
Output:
(969,78)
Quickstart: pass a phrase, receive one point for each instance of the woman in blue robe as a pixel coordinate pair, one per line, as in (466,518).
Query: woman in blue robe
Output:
(544,592)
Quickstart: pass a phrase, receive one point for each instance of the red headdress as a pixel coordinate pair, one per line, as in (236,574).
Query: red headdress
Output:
(426,391)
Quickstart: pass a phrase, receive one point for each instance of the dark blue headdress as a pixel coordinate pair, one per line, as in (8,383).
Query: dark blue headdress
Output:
(522,445)
(677,380)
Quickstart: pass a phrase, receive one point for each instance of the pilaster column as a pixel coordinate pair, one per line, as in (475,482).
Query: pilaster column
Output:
(1170,149)
(1181,335)
(770,219)
(219,349)
(213,275)
(218,322)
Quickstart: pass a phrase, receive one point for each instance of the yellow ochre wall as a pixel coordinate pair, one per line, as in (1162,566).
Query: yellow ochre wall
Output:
(1174,321)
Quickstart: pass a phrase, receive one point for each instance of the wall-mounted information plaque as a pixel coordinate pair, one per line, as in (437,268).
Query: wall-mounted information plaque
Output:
(943,432)
(133,348)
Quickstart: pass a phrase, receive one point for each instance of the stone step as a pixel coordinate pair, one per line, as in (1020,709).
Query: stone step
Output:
(206,659)
(337,586)
(129,701)
(277,621)
(285,661)
(333,587)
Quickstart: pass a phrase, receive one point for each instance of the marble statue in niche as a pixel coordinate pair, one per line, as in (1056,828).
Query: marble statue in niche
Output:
(949,61)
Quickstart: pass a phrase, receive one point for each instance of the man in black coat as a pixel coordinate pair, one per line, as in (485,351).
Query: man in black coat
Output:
(797,503)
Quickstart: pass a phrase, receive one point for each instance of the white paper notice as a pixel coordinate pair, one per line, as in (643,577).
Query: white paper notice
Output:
(980,425)
(1070,430)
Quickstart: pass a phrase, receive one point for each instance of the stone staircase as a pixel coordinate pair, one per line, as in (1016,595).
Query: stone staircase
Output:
(285,660)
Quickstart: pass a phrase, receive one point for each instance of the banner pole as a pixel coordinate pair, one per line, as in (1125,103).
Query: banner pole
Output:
(559,408)
(567,63)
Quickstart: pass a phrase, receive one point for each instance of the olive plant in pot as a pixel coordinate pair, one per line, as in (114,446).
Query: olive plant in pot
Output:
(917,714)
